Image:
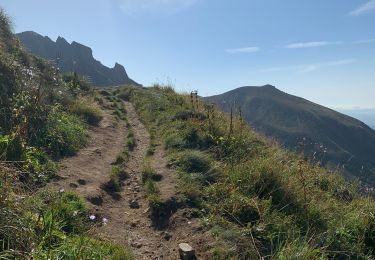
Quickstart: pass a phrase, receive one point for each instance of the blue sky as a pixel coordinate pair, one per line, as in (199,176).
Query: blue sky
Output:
(321,50)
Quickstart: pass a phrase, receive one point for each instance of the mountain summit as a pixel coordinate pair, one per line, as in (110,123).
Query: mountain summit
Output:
(74,57)
(335,139)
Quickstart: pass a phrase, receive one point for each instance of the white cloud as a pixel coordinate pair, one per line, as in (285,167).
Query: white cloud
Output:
(244,50)
(364,41)
(305,68)
(133,7)
(365,8)
(316,66)
(302,45)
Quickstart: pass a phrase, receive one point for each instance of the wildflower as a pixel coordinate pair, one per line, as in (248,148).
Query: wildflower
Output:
(59,92)
(92,217)
(61,190)
(105,221)
(75,213)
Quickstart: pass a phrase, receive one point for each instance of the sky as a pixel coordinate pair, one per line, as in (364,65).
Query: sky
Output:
(321,50)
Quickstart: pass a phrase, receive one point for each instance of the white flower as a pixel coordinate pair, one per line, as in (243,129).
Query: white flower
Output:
(61,190)
(92,217)
(105,221)
(75,213)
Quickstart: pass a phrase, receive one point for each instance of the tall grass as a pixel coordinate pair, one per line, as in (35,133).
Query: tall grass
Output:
(259,199)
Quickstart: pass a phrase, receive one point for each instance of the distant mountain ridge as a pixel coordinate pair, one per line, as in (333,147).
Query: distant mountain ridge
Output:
(366,115)
(335,139)
(74,57)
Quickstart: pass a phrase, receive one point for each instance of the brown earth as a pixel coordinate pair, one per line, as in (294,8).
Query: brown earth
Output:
(89,171)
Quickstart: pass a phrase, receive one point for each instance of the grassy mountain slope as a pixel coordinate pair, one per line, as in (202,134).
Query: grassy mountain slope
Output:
(42,118)
(256,198)
(333,138)
(74,57)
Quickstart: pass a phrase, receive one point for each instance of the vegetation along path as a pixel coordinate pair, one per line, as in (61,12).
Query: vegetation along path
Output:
(124,216)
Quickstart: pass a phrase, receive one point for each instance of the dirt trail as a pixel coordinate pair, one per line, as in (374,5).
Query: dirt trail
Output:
(90,169)
(168,183)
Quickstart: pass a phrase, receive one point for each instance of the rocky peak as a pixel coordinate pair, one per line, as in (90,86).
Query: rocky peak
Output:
(119,67)
(75,57)
(61,41)
(82,50)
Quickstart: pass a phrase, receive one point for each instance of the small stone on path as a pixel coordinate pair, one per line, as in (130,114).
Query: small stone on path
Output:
(186,251)
(134,204)
(73,185)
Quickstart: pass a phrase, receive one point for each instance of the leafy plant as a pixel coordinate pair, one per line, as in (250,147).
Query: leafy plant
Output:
(87,110)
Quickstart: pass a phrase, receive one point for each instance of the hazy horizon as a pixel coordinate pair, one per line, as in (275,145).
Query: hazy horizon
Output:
(322,51)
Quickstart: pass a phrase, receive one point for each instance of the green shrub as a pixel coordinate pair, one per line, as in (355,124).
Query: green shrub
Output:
(298,249)
(87,110)
(148,173)
(211,176)
(195,138)
(150,150)
(64,135)
(151,188)
(104,93)
(193,161)
(175,141)
(38,165)
(131,143)
(82,247)
(119,159)
(117,176)
(232,244)
(67,208)
(183,115)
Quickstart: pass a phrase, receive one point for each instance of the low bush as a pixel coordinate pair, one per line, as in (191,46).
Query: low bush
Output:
(175,141)
(64,134)
(131,142)
(148,173)
(192,161)
(117,176)
(83,247)
(87,110)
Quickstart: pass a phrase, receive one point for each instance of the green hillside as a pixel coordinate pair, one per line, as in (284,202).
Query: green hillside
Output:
(335,140)
(257,199)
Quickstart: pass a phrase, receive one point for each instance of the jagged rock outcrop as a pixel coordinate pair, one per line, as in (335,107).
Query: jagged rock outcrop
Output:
(74,57)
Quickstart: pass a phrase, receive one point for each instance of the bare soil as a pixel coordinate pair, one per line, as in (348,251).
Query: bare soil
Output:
(89,171)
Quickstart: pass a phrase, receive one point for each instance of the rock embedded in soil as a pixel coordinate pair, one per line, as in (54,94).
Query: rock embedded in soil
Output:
(73,185)
(186,251)
(81,182)
(134,204)
(166,235)
(137,244)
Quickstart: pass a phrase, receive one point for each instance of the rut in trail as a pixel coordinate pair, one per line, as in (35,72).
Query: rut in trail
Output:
(90,169)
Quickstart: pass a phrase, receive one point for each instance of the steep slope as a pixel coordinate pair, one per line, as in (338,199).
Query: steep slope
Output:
(331,137)
(42,119)
(75,57)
